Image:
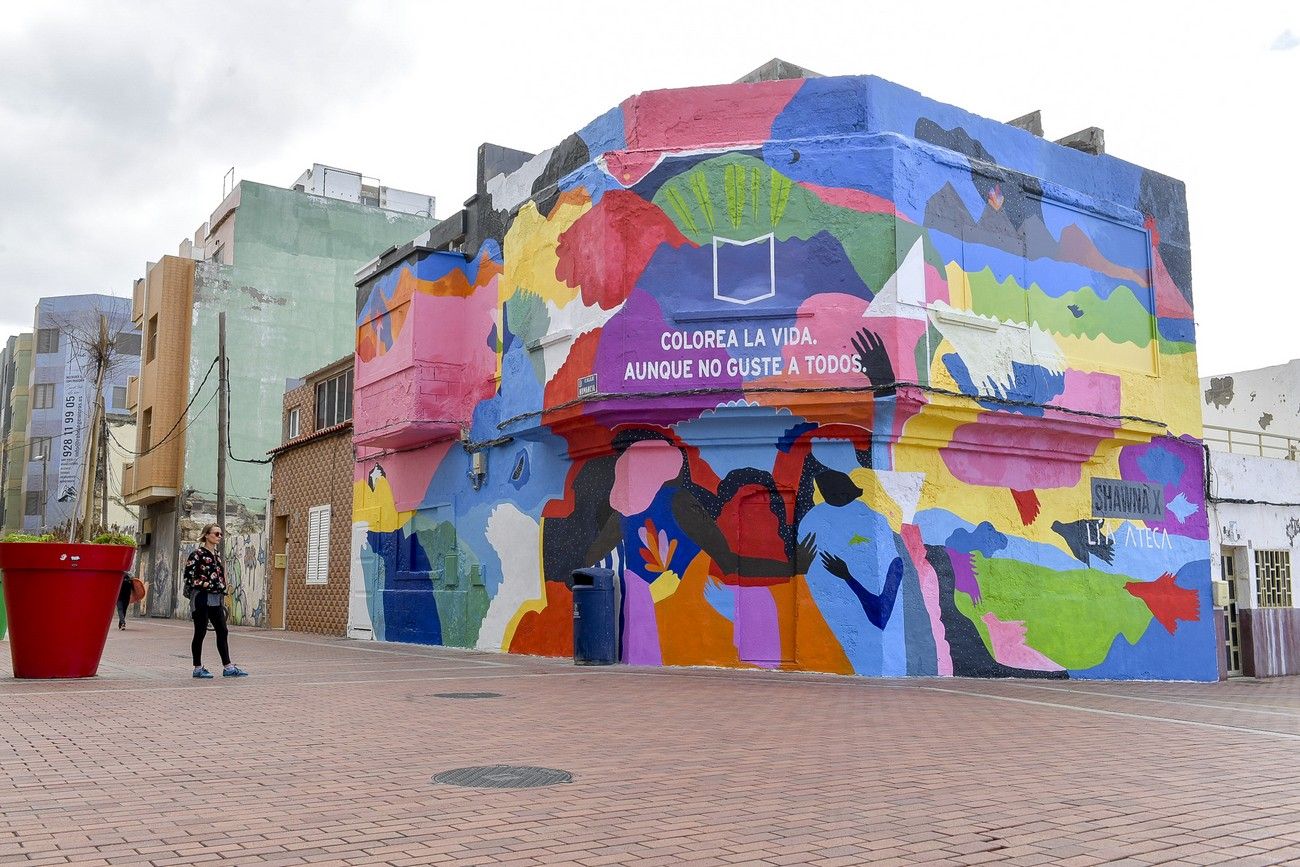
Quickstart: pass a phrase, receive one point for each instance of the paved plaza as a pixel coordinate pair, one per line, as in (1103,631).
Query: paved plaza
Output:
(327,754)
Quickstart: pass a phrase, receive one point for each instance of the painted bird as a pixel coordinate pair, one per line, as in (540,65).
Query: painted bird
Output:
(1086,539)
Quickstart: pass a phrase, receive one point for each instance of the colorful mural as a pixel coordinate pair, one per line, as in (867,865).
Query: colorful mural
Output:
(834,377)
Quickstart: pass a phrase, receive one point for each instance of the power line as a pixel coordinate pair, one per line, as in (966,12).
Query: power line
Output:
(228,449)
(182,417)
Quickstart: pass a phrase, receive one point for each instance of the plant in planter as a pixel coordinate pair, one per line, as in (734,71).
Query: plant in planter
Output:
(60,597)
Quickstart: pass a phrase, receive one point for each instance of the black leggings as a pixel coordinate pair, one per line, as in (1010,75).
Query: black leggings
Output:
(216,615)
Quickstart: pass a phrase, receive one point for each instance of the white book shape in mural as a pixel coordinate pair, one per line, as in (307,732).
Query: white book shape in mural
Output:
(744,271)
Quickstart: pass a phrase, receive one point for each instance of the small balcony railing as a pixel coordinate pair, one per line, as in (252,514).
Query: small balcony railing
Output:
(1252,442)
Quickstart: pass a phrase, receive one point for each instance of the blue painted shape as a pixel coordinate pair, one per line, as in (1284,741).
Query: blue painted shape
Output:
(721,598)
(1162,465)
(985,538)
(606,133)
(824,107)
(1183,508)
(410,611)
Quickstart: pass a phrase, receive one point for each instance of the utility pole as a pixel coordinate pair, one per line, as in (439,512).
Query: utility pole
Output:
(222,434)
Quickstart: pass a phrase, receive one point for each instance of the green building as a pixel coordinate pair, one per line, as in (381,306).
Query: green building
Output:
(281,264)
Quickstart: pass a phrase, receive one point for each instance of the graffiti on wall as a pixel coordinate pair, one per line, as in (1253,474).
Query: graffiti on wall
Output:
(819,400)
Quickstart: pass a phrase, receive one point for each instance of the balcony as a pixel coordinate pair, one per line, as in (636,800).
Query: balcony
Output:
(1251,442)
(419,404)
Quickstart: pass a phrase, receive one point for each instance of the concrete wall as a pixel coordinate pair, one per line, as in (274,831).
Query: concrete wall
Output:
(1266,400)
(824,371)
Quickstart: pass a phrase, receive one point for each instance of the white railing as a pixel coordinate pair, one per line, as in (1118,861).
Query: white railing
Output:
(1252,442)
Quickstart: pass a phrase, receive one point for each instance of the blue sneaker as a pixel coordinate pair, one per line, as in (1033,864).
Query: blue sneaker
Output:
(202,674)
(233,671)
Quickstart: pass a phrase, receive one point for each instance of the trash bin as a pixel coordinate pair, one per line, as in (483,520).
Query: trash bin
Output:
(593,617)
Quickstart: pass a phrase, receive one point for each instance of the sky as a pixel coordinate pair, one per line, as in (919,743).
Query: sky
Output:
(118,121)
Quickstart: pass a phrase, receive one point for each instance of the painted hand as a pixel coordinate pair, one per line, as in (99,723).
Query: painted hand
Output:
(836,566)
(874,357)
(806,553)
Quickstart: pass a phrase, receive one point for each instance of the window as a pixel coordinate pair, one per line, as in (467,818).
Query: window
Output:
(152,337)
(334,401)
(318,544)
(47,340)
(1273,574)
(119,397)
(146,429)
(291,424)
(127,344)
(32,503)
(43,395)
(40,449)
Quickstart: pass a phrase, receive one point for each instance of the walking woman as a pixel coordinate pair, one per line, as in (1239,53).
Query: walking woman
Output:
(205,583)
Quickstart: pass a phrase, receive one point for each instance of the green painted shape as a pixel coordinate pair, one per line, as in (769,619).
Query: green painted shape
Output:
(1070,616)
(461,606)
(1176,347)
(1121,317)
(856,539)
(528,319)
(708,200)
(290,304)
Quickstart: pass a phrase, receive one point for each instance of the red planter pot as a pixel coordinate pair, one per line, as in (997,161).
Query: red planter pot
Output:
(60,598)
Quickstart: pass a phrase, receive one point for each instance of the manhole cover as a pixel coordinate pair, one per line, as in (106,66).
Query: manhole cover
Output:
(467,695)
(503,777)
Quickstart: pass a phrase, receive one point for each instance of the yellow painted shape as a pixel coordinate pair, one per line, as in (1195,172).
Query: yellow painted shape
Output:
(959,291)
(664,586)
(1103,354)
(377,508)
(530,250)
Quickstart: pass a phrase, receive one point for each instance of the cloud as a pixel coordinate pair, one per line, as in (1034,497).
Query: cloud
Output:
(1285,41)
(120,121)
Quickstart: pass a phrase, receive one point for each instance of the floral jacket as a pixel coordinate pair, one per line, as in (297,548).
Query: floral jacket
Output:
(203,571)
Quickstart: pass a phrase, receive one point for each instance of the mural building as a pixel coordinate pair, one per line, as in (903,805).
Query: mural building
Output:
(834,377)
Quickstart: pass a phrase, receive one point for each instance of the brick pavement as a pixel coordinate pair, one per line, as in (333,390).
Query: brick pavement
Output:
(325,756)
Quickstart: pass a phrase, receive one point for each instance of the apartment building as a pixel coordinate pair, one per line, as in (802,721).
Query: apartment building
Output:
(280,263)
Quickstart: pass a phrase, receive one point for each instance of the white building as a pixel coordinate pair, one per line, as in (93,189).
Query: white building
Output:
(1252,431)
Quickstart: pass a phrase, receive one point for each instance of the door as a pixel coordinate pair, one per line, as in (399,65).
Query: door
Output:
(1231,627)
(277,603)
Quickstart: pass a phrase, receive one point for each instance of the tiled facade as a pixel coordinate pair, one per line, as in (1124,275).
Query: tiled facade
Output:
(312,469)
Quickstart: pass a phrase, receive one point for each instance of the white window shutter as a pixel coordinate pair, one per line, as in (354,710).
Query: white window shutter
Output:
(318,544)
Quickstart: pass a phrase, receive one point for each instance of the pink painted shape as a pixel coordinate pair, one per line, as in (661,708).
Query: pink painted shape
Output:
(439,367)
(640,472)
(936,285)
(758,636)
(1019,452)
(729,114)
(640,626)
(929,581)
(1009,648)
(1095,392)
(854,200)
(1170,303)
